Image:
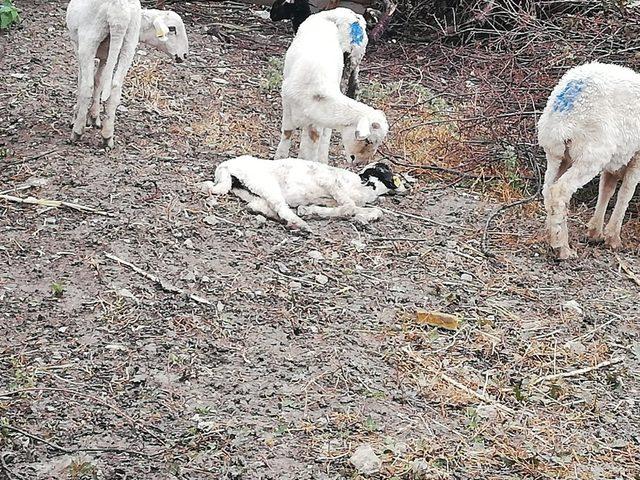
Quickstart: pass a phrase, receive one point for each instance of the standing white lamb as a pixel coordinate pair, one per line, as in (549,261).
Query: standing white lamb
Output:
(110,30)
(273,187)
(311,95)
(591,125)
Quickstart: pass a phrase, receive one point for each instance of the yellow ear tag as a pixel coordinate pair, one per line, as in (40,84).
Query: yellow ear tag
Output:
(396,181)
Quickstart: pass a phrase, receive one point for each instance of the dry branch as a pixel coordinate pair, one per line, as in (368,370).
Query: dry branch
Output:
(55,204)
(630,273)
(480,396)
(154,278)
(578,372)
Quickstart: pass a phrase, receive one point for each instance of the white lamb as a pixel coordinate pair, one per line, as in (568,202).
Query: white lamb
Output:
(311,96)
(110,30)
(591,125)
(272,187)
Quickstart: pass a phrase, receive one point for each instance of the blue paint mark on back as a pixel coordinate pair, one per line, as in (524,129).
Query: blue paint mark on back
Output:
(568,95)
(357,34)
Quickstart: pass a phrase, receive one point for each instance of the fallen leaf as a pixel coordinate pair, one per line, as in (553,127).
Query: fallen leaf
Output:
(439,319)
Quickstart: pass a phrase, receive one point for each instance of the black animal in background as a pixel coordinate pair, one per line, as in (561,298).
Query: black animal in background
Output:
(295,10)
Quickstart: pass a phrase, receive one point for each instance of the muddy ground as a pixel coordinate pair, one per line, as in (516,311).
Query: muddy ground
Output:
(307,347)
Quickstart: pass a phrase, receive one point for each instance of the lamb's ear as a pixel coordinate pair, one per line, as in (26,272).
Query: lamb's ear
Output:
(161,28)
(362,129)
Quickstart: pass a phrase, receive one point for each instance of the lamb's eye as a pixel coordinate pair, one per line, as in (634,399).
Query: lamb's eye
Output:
(172,29)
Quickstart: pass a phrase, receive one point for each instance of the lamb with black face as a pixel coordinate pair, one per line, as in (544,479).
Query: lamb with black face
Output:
(379,176)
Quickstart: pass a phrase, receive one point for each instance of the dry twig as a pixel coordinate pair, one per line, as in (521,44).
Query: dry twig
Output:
(578,372)
(55,204)
(630,273)
(154,278)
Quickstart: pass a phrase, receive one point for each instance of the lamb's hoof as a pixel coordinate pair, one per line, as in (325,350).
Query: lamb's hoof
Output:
(302,227)
(303,211)
(206,187)
(594,235)
(613,242)
(108,142)
(565,253)
(75,137)
(361,219)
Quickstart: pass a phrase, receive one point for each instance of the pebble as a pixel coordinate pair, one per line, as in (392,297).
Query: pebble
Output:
(322,279)
(575,347)
(466,277)
(573,307)
(316,255)
(365,460)
(210,220)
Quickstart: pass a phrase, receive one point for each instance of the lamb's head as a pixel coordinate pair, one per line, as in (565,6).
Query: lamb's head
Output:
(380,177)
(164,30)
(362,140)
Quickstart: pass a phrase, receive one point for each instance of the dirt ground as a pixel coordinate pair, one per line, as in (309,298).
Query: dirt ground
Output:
(295,351)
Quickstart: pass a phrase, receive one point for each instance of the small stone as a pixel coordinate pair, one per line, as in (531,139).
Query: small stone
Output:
(205,279)
(126,293)
(220,307)
(322,279)
(295,285)
(316,255)
(188,243)
(188,276)
(420,467)
(210,220)
(122,108)
(360,246)
(573,307)
(263,14)
(260,219)
(487,411)
(466,277)
(575,347)
(365,460)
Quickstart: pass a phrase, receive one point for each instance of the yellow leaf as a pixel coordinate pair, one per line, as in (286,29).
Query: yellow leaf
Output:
(439,319)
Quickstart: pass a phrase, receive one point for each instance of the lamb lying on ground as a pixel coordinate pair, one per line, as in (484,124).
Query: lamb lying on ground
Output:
(110,30)
(311,95)
(273,187)
(591,125)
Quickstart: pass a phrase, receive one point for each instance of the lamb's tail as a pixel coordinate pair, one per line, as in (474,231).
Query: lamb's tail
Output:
(223,181)
(115,45)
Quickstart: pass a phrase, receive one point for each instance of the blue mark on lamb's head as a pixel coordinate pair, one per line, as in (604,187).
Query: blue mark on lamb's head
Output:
(357,34)
(568,95)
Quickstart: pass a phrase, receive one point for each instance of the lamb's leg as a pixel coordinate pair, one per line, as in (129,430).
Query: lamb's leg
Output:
(259,205)
(362,215)
(608,183)
(627,189)
(284,146)
(125,59)
(323,148)
(559,193)
(86,54)
(277,203)
(94,111)
(310,143)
